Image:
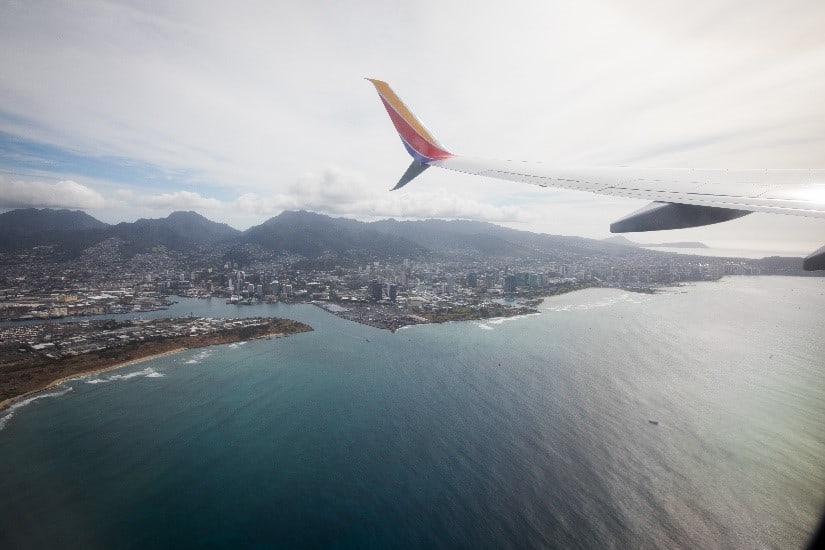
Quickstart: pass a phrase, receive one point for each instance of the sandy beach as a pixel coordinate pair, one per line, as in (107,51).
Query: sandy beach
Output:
(79,376)
(38,377)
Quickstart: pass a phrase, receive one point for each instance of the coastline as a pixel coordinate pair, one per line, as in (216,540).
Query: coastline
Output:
(48,374)
(6,403)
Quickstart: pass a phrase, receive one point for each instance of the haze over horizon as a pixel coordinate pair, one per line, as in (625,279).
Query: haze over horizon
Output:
(128,111)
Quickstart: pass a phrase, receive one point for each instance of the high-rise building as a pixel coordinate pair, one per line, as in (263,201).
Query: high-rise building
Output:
(509,283)
(393,291)
(376,290)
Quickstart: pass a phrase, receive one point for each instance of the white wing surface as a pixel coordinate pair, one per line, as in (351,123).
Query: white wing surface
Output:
(682,197)
(799,192)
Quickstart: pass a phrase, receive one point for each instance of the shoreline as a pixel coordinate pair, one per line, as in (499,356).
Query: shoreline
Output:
(528,304)
(6,403)
(84,367)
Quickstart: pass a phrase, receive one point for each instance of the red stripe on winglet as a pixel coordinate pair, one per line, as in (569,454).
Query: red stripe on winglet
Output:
(413,138)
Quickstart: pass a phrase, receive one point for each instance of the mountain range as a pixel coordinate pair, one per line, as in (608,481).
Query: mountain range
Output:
(306,233)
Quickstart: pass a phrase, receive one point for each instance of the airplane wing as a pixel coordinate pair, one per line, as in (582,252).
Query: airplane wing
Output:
(682,197)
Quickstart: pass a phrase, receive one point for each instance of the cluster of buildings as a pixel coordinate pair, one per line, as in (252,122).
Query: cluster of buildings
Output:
(105,279)
(36,285)
(60,340)
(76,302)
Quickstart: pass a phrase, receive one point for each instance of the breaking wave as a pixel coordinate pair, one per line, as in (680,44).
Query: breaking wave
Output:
(9,413)
(148,372)
(626,297)
(500,320)
(487,325)
(198,357)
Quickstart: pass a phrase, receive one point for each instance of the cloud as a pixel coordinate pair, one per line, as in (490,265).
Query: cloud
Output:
(342,192)
(177,200)
(334,191)
(110,86)
(62,194)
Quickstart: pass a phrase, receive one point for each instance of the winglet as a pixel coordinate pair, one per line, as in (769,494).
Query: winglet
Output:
(419,142)
(412,172)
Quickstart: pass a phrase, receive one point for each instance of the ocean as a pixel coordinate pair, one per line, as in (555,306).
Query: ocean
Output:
(690,418)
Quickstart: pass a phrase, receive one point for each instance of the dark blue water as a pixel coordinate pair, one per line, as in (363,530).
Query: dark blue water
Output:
(511,433)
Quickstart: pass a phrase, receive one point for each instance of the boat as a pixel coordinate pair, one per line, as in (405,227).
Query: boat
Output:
(654,422)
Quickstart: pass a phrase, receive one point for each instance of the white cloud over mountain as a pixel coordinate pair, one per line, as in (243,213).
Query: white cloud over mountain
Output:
(61,194)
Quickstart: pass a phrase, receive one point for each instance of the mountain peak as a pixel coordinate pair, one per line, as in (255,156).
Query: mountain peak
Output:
(186,215)
(292,215)
(312,235)
(34,220)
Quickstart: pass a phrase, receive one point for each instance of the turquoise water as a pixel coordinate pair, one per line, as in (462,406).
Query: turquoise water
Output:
(532,431)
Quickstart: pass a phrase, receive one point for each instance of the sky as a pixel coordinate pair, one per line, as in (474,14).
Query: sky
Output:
(242,110)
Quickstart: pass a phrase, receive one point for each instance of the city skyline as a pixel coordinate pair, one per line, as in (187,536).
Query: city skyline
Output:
(128,112)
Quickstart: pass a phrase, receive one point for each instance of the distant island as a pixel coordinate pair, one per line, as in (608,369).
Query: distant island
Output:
(618,239)
(677,245)
(36,357)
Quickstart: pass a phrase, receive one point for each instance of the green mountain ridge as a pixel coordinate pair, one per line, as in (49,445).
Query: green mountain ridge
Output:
(303,233)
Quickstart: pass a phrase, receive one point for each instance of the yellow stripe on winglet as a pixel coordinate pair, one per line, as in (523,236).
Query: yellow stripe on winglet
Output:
(386,92)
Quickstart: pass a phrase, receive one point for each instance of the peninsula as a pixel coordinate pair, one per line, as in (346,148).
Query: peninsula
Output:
(387,315)
(35,357)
